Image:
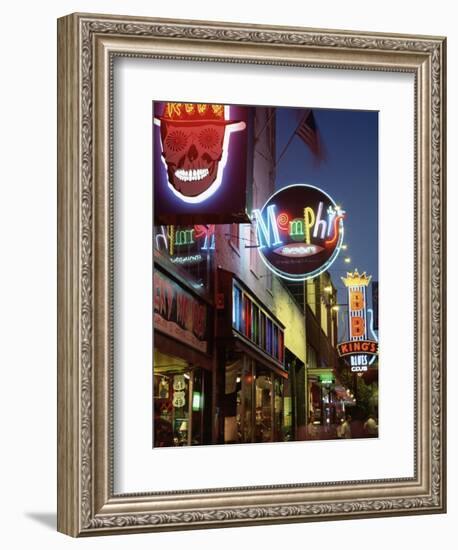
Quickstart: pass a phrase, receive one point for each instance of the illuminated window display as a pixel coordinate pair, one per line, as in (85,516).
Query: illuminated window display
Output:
(178,402)
(254,403)
(238,422)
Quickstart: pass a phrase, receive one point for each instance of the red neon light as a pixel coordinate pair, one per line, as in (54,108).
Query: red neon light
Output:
(283,221)
(336,230)
(204,230)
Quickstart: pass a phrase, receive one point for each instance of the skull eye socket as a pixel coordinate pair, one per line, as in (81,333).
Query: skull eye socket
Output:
(176,140)
(209,138)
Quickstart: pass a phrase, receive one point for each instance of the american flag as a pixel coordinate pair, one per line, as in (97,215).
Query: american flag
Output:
(308,132)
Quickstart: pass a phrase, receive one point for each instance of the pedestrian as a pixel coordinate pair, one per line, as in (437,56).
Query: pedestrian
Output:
(371,427)
(313,430)
(339,428)
(345,428)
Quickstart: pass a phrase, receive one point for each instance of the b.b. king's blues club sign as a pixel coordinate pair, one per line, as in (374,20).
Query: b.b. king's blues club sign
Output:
(361,348)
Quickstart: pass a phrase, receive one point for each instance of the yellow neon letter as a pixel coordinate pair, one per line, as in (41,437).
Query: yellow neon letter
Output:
(309,220)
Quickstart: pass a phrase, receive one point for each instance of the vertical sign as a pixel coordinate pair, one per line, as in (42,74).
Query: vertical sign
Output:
(360,349)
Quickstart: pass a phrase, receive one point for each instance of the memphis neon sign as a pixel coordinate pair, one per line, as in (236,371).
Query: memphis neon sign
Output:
(299,232)
(361,349)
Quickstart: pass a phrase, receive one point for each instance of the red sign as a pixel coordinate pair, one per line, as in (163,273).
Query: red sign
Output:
(201,163)
(179,314)
(357,346)
(360,351)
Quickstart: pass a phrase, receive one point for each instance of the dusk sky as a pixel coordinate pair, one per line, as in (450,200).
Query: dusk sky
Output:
(348,173)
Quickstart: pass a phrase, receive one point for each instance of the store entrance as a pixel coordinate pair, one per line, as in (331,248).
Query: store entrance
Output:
(254,402)
(178,402)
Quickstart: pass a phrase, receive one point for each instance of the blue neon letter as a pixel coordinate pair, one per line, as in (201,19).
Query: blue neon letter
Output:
(267,231)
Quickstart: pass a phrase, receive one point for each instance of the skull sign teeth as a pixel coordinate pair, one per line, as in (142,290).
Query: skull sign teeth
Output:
(192,153)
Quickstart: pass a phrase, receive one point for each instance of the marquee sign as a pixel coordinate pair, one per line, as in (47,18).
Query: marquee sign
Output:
(179,314)
(299,232)
(360,350)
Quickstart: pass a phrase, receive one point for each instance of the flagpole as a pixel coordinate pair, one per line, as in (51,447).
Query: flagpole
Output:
(291,138)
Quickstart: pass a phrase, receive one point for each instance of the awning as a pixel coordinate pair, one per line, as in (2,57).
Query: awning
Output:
(171,346)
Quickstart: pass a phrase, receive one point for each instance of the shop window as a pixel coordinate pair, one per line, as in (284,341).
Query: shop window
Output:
(178,400)
(237,407)
(279,409)
(264,406)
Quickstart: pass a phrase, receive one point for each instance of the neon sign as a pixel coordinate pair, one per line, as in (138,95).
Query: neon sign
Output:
(194,142)
(186,245)
(359,350)
(299,232)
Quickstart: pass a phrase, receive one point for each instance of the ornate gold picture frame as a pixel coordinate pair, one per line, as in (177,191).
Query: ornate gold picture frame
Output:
(87,47)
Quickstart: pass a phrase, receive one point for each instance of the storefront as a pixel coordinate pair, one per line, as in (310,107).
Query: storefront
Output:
(182,366)
(253,375)
(327,402)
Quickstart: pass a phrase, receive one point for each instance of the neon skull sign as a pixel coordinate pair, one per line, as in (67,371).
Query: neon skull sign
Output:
(194,140)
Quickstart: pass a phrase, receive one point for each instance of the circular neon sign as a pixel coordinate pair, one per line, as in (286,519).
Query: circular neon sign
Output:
(299,232)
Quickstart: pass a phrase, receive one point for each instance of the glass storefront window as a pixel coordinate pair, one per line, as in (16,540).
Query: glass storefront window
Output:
(238,417)
(264,406)
(278,409)
(178,402)
(255,407)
